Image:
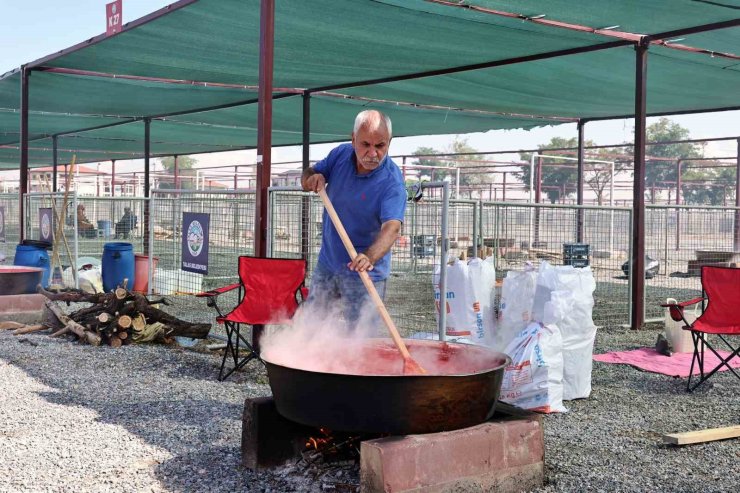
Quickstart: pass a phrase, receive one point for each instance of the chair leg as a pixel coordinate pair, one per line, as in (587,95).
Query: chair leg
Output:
(699,357)
(233,342)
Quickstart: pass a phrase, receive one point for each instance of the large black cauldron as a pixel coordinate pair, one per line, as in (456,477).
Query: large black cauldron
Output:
(394,403)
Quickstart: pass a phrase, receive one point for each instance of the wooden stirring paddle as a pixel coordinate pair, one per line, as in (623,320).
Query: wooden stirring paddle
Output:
(409,364)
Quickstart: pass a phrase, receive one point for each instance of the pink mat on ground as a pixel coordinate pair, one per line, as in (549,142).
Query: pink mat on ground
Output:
(678,365)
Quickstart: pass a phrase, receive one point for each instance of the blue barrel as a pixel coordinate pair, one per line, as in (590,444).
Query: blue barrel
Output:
(118,264)
(34,256)
(106,227)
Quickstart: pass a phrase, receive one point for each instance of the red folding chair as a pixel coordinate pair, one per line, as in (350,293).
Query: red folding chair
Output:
(270,290)
(720,317)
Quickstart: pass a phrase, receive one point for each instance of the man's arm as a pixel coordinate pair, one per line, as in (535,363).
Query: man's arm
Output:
(312,181)
(389,232)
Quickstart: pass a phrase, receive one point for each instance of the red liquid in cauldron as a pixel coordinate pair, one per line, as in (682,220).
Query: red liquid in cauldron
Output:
(383,358)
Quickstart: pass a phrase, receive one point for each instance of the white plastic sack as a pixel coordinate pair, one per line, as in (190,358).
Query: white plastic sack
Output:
(469,300)
(570,307)
(482,275)
(91,280)
(517,299)
(459,321)
(534,379)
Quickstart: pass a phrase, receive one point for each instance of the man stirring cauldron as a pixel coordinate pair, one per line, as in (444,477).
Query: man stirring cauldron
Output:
(367,190)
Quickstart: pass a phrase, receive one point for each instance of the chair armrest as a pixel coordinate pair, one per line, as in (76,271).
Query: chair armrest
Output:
(683,304)
(676,309)
(217,291)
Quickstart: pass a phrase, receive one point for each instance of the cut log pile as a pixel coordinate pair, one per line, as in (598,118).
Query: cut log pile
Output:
(116,318)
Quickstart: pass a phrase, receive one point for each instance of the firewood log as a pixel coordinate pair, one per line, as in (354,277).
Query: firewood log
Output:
(124,321)
(176,326)
(74,296)
(60,332)
(138,323)
(104,317)
(115,342)
(10,325)
(86,335)
(122,335)
(28,329)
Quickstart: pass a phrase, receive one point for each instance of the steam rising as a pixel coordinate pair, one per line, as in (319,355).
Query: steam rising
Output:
(321,341)
(317,339)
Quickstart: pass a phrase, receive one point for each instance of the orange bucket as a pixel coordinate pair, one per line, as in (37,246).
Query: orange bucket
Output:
(141,272)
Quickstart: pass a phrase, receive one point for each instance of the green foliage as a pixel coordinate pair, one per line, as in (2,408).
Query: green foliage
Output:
(426,160)
(708,185)
(660,171)
(183,163)
(459,145)
(185,170)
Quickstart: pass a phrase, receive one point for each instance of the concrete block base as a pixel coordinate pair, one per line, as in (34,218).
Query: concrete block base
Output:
(22,308)
(506,454)
(268,439)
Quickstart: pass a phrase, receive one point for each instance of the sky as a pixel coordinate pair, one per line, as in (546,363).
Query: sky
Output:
(31,29)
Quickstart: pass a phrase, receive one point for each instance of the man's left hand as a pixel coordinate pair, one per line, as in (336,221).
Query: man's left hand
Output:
(361,263)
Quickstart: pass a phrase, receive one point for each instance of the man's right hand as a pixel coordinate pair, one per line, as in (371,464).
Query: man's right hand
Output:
(314,183)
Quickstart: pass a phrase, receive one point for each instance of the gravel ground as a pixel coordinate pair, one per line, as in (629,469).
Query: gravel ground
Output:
(154,418)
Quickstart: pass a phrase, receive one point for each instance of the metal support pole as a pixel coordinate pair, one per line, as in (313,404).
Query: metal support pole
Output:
(176,169)
(264,136)
(443,264)
(54,163)
(538,200)
(638,199)
(147,148)
(113,178)
(678,202)
(306,200)
(23,182)
(580,181)
(264,124)
(236,177)
(503,191)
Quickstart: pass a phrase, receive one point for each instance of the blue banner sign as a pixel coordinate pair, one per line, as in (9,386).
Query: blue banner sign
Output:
(195,242)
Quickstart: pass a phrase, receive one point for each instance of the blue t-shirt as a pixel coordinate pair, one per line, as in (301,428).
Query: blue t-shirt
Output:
(363,203)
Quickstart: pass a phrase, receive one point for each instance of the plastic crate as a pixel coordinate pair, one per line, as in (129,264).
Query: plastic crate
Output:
(576,250)
(577,262)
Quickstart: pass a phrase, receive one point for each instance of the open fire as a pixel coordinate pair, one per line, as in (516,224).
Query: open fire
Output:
(336,447)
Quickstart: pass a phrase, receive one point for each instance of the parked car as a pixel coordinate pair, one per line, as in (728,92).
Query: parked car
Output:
(651,267)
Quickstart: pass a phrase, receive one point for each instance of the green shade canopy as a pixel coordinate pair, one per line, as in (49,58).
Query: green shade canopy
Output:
(194,70)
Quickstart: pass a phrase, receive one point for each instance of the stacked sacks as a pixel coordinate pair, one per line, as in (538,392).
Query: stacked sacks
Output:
(572,301)
(546,327)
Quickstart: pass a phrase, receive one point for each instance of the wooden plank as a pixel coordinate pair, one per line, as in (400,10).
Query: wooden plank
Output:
(701,436)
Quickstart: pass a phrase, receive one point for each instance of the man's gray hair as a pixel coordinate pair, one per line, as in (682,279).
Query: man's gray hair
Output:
(371,118)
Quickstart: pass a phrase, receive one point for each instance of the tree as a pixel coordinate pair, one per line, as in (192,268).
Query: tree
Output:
(708,185)
(469,176)
(185,170)
(561,175)
(658,172)
(428,157)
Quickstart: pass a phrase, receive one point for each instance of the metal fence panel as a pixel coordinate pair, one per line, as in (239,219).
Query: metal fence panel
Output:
(680,239)
(230,235)
(106,214)
(11,225)
(520,233)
